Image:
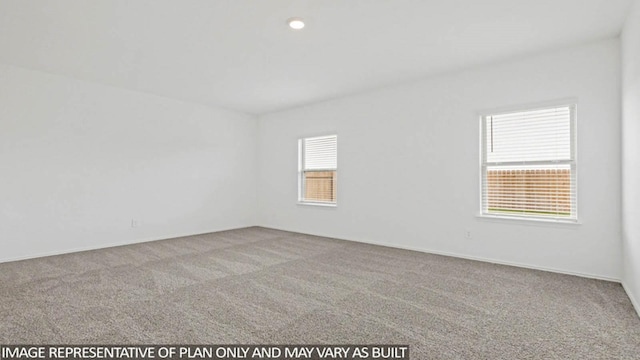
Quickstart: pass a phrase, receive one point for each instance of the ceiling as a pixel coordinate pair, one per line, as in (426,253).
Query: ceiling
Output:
(240,54)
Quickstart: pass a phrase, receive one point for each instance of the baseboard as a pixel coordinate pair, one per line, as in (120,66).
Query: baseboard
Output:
(468,257)
(116,244)
(634,302)
(527,266)
(428,251)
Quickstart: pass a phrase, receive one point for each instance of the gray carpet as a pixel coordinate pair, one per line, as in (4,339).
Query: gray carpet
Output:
(262,286)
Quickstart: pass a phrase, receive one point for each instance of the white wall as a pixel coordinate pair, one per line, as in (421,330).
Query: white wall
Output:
(79,161)
(631,154)
(408,163)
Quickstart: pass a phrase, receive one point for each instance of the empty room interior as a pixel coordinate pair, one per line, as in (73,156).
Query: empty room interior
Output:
(455,176)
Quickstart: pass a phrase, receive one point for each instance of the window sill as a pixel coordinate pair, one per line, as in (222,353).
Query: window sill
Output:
(319,204)
(528,221)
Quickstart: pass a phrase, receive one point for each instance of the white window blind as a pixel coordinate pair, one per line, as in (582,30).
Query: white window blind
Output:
(529,164)
(318,167)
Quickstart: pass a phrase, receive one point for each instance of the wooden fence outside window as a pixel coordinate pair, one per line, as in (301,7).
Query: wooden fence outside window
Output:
(543,191)
(320,186)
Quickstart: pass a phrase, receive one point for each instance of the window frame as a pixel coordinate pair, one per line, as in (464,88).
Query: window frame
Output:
(573,218)
(301,172)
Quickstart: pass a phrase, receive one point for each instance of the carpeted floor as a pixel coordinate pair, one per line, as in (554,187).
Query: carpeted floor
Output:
(263,286)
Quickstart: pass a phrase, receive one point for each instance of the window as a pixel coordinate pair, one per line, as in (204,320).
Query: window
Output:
(317,170)
(529,164)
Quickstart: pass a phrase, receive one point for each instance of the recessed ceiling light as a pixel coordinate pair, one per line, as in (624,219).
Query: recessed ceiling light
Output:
(295,23)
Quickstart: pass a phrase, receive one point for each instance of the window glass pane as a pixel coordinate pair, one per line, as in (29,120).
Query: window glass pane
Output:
(320,153)
(318,162)
(529,168)
(540,190)
(529,136)
(320,185)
